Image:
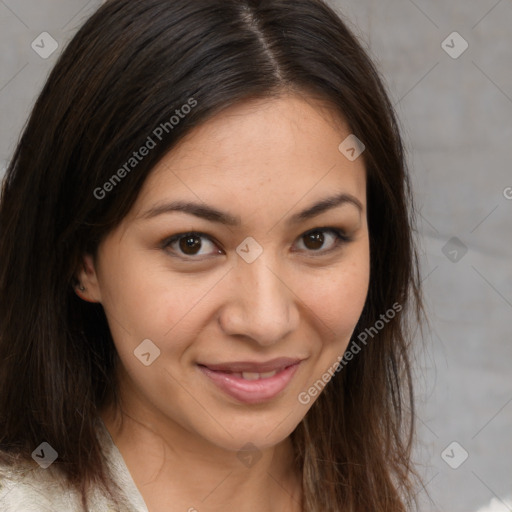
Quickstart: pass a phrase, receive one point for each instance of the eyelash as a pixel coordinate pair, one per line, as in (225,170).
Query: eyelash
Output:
(341,239)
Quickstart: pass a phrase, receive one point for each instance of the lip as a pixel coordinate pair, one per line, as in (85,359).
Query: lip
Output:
(252,391)
(247,366)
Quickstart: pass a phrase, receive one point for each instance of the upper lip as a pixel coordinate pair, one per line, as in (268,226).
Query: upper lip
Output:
(279,363)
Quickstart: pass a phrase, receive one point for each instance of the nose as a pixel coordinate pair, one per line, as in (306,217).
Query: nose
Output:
(261,305)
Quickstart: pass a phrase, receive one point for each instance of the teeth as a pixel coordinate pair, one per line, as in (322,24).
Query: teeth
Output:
(250,376)
(256,376)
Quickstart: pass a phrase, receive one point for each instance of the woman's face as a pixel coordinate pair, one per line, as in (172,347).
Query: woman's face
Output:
(234,255)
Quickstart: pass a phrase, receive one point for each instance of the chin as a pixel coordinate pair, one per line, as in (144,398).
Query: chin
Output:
(263,433)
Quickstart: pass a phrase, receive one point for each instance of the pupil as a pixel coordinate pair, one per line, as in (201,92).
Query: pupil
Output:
(189,244)
(314,240)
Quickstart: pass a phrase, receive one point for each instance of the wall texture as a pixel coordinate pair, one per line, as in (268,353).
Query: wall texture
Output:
(448,66)
(456,108)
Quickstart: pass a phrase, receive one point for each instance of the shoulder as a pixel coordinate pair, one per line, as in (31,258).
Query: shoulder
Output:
(28,488)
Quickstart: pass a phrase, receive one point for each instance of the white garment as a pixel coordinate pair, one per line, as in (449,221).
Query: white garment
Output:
(497,506)
(30,488)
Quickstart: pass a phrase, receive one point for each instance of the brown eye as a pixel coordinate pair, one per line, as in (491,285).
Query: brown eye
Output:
(323,240)
(314,240)
(190,244)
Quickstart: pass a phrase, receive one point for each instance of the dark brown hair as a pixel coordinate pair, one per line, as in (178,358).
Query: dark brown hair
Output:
(125,72)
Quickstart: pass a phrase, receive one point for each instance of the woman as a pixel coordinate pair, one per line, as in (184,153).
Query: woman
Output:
(206,270)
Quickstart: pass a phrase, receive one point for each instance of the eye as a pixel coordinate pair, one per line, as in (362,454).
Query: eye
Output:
(191,244)
(316,239)
(199,244)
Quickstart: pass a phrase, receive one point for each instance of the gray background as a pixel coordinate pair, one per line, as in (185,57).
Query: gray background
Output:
(456,115)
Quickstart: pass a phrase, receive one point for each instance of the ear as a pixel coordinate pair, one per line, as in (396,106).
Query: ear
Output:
(88,288)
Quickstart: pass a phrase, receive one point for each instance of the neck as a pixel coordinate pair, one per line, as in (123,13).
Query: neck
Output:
(170,464)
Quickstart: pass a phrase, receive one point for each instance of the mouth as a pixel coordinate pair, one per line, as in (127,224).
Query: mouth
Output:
(255,375)
(252,382)
(251,367)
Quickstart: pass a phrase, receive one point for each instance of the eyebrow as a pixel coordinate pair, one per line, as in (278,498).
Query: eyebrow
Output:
(214,215)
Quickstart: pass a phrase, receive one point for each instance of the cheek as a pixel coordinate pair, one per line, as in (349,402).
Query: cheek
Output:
(148,301)
(132,289)
(337,298)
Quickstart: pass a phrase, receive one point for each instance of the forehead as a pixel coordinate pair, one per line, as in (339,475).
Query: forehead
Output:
(257,153)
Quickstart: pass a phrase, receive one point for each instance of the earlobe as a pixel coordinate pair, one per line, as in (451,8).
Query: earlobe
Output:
(87,286)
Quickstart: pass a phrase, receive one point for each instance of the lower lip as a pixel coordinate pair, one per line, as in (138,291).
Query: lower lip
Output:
(251,391)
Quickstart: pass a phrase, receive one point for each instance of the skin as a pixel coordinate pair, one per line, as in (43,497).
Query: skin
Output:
(262,161)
